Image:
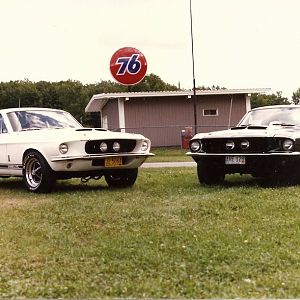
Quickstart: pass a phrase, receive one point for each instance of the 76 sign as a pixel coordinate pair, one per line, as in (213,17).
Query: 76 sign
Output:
(128,66)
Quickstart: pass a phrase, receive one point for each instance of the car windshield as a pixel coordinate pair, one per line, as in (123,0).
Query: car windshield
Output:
(41,119)
(272,116)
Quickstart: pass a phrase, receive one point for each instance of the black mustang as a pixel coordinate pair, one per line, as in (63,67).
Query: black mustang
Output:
(265,143)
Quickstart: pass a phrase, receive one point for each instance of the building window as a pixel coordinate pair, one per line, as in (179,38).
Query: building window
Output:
(210,112)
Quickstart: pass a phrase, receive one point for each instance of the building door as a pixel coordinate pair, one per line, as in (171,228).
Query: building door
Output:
(105,122)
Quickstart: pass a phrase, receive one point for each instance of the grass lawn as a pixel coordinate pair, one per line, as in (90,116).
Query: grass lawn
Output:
(167,237)
(169,154)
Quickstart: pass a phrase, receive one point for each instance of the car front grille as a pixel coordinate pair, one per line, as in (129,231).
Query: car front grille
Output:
(93,147)
(256,145)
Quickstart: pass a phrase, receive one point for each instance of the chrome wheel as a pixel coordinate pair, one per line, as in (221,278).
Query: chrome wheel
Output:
(33,172)
(38,177)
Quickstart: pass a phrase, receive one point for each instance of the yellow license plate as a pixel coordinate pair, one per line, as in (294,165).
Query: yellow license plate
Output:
(113,162)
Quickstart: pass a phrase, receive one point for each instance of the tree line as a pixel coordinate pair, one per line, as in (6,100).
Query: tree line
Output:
(73,96)
(70,95)
(258,100)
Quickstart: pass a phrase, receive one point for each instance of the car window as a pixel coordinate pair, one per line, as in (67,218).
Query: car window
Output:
(31,120)
(3,128)
(269,116)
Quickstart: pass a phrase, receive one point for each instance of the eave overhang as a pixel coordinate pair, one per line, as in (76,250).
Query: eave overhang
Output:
(98,101)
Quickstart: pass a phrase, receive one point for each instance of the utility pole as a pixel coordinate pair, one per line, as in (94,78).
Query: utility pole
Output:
(194,97)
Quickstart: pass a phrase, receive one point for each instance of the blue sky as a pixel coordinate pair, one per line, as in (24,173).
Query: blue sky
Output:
(237,44)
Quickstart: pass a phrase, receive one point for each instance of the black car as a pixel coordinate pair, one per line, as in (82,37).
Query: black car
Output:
(265,143)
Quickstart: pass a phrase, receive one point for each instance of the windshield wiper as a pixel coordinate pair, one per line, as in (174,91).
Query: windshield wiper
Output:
(282,124)
(28,129)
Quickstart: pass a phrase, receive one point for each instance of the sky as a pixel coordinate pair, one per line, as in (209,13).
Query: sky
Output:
(237,43)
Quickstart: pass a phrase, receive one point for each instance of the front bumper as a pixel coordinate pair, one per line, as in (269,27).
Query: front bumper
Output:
(93,162)
(202,154)
(260,164)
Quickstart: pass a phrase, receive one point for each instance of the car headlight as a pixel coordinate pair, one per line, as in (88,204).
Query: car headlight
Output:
(63,148)
(145,146)
(287,145)
(195,146)
(245,144)
(103,147)
(230,145)
(116,146)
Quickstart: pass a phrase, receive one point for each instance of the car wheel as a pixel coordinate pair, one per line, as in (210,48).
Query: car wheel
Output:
(38,177)
(209,174)
(121,178)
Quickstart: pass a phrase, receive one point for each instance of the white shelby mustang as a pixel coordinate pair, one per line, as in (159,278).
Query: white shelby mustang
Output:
(43,145)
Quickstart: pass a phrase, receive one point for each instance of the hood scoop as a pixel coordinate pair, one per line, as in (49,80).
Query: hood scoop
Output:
(250,127)
(91,129)
(84,129)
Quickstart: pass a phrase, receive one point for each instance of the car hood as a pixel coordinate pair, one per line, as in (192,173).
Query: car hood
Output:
(70,134)
(271,131)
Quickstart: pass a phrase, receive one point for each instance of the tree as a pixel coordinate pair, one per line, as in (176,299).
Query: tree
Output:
(153,83)
(48,94)
(296,97)
(15,93)
(212,88)
(258,100)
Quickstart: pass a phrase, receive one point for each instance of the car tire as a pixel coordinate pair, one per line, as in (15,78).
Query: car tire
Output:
(38,177)
(121,178)
(209,174)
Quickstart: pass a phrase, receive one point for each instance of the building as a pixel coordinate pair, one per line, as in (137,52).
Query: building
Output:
(163,116)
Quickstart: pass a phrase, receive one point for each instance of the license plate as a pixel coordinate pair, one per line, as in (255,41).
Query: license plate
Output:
(113,162)
(235,160)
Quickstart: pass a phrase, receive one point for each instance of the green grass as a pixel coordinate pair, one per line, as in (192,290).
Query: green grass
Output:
(169,154)
(167,237)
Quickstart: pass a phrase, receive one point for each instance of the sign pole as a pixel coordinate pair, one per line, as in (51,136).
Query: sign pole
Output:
(128,66)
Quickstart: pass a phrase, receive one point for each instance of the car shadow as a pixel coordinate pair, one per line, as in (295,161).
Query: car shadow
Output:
(65,186)
(16,184)
(249,181)
(11,184)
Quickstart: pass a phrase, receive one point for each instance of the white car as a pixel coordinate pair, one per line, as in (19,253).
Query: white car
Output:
(42,145)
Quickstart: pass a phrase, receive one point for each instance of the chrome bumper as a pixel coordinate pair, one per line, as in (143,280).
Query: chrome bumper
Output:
(97,156)
(244,154)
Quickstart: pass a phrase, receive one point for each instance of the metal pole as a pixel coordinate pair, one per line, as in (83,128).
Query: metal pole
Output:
(193,64)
